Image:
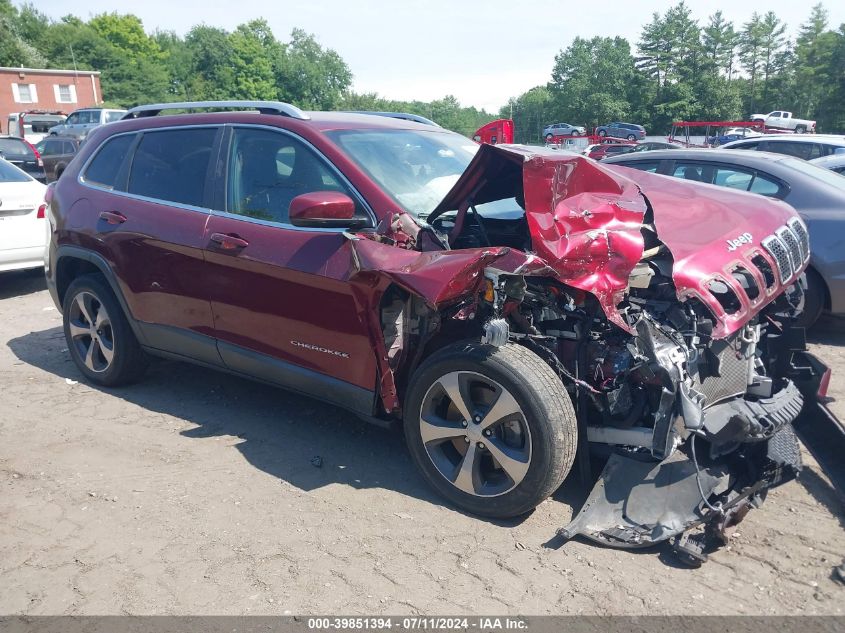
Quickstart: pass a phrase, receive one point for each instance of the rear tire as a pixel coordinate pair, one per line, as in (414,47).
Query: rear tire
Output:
(549,138)
(98,335)
(576,133)
(519,455)
(800,129)
(602,132)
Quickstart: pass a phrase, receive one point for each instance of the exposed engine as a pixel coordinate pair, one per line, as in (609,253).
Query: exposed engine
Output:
(676,347)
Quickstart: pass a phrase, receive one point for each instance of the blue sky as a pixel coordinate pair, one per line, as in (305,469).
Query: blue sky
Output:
(480,51)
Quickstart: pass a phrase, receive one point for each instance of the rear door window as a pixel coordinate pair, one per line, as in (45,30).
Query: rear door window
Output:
(792,148)
(171,165)
(104,169)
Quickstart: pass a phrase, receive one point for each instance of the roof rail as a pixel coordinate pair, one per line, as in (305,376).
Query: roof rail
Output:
(264,107)
(398,115)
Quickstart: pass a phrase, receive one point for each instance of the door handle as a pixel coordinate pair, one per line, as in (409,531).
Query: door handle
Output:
(228,242)
(113,217)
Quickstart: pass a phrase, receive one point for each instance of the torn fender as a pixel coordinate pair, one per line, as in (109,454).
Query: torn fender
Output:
(585,222)
(438,277)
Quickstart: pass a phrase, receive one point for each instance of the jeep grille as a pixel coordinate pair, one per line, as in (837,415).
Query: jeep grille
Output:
(800,231)
(777,249)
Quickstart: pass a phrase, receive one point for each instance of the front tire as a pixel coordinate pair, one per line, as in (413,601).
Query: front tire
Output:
(98,335)
(492,429)
(602,132)
(631,137)
(549,138)
(814,300)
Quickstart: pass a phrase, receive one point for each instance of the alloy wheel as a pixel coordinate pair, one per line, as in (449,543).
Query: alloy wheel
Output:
(475,434)
(91,332)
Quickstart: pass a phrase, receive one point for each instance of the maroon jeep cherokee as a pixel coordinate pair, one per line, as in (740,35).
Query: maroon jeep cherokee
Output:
(513,306)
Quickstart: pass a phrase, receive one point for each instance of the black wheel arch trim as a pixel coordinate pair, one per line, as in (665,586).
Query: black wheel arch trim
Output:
(92,257)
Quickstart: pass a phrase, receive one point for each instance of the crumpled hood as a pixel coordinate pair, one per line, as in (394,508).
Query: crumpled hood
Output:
(585,221)
(710,231)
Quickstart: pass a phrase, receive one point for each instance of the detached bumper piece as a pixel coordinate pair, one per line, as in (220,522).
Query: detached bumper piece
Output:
(742,420)
(638,503)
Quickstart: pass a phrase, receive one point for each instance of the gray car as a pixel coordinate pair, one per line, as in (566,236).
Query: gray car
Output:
(563,129)
(806,146)
(617,129)
(817,194)
(80,122)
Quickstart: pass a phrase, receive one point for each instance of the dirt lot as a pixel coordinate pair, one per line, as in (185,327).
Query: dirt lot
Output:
(194,492)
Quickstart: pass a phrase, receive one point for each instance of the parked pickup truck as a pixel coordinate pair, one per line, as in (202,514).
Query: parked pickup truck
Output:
(785,121)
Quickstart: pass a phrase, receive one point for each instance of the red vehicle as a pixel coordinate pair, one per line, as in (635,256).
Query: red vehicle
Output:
(512,307)
(495,132)
(605,149)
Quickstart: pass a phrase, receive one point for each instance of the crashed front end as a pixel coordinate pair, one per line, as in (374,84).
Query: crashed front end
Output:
(665,308)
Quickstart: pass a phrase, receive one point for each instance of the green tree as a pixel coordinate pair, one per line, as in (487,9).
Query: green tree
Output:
(751,56)
(310,75)
(211,74)
(15,49)
(773,40)
(590,80)
(719,43)
(816,72)
(530,111)
(254,50)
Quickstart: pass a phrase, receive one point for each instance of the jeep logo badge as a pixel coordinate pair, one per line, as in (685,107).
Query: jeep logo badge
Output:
(745,238)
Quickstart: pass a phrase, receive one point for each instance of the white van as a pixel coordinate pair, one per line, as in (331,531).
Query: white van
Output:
(34,125)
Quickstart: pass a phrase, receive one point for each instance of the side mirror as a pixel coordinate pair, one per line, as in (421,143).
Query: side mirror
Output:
(324,209)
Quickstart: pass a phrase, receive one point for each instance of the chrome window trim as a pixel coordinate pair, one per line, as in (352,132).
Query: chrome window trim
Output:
(332,167)
(134,196)
(209,211)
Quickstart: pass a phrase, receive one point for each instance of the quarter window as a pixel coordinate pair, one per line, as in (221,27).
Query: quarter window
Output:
(764,186)
(269,169)
(105,167)
(171,165)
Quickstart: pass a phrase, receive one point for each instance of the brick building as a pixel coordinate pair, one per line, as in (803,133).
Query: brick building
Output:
(23,89)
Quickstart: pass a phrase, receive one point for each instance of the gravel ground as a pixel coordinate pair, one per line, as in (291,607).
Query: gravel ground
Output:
(194,492)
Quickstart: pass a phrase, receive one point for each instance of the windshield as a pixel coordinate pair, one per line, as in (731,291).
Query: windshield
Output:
(416,168)
(824,175)
(15,147)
